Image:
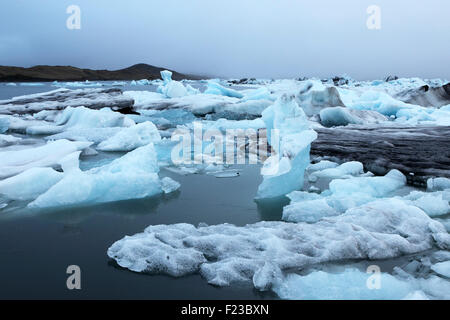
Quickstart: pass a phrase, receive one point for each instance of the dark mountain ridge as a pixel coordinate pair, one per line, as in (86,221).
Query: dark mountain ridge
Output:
(68,73)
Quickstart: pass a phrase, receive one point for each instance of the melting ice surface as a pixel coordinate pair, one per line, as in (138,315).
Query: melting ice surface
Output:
(337,211)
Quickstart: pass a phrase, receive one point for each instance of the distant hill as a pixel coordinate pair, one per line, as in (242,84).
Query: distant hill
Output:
(68,73)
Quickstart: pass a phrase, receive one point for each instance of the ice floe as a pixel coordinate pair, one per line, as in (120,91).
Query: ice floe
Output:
(131,138)
(48,155)
(224,254)
(132,176)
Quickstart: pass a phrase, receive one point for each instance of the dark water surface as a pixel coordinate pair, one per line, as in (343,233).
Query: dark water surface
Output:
(37,247)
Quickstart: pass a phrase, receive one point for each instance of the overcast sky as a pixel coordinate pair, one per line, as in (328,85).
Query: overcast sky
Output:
(233,38)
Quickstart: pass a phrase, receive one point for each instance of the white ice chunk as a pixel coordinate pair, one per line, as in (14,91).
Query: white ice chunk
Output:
(131,138)
(169,185)
(225,253)
(48,155)
(284,171)
(82,118)
(442,268)
(215,88)
(340,116)
(348,285)
(133,176)
(352,168)
(29,184)
(435,184)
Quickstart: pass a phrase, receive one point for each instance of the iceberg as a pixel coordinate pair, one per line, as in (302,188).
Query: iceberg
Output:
(435,184)
(350,284)
(340,116)
(283,171)
(224,254)
(133,176)
(442,268)
(347,169)
(171,88)
(82,118)
(342,196)
(215,88)
(29,184)
(48,155)
(131,138)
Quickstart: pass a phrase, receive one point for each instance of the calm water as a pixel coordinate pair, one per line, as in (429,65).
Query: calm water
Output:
(37,247)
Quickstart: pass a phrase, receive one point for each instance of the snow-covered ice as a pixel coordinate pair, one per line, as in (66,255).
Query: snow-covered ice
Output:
(224,254)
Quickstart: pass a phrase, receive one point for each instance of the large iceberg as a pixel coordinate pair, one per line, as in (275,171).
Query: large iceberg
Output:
(290,136)
(224,254)
(133,176)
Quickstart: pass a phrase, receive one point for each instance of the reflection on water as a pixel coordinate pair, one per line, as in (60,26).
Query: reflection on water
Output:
(46,241)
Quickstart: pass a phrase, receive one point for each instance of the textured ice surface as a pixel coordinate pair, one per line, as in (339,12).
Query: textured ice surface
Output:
(82,118)
(435,184)
(348,285)
(433,203)
(283,172)
(343,194)
(6,140)
(225,253)
(347,169)
(133,176)
(169,185)
(442,268)
(48,155)
(215,88)
(4,124)
(171,88)
(62,98)
(340,116)
(29,184)
(131,138)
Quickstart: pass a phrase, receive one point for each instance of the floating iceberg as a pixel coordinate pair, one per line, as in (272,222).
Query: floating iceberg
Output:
(347,169)
(283,171)
(435,184)
(215,88)
(133,176)
(48,155)
(29,184)
(340,116)
(82,118)
(442,268)
(171,88)
(131,138)
(348,285)
(342,196)
(224,254)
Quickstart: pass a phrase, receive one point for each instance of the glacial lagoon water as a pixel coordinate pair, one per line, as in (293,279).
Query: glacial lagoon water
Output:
(36,247)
